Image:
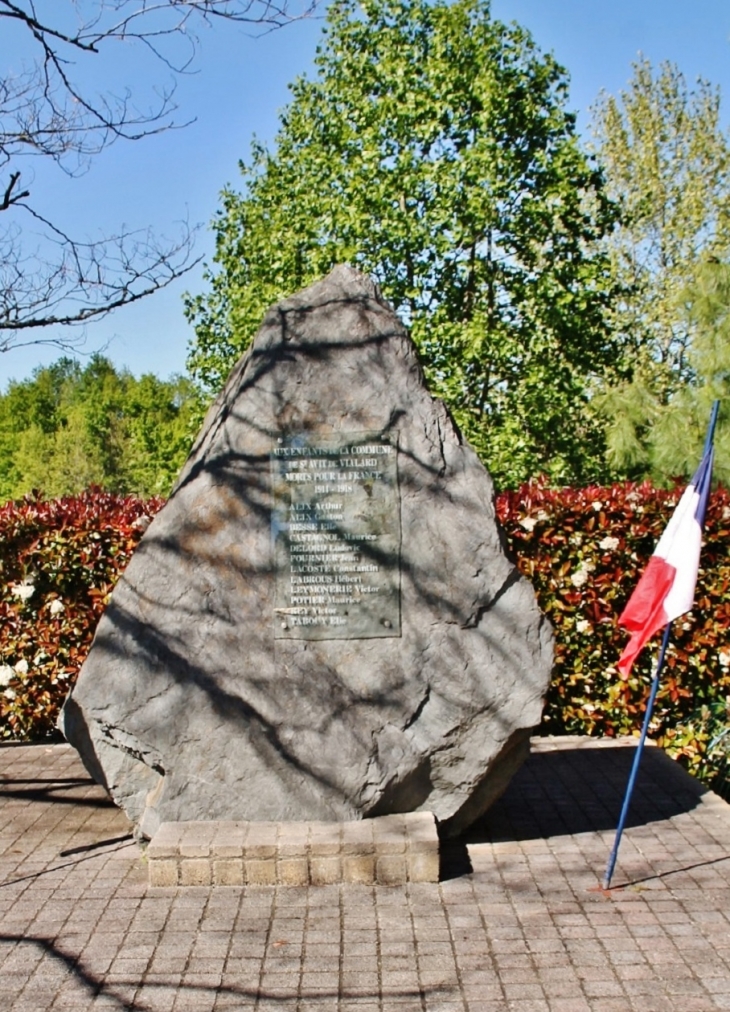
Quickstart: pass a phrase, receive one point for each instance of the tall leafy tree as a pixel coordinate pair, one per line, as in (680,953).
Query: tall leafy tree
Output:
(673,443)
(434,150)
(69,427)
(667,162)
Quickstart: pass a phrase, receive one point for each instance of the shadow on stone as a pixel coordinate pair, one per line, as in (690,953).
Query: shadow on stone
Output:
(322,623)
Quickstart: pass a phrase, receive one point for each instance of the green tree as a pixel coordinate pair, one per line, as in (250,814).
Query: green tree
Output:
(69,427)
(160,421)
(667,163)
(674,442)
(434,151)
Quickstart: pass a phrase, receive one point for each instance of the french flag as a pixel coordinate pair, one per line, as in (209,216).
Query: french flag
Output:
(666,589)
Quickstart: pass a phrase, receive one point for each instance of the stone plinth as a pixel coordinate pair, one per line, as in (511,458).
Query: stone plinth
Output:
(389,850)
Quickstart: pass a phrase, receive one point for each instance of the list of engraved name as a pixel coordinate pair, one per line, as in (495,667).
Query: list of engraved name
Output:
(338,539)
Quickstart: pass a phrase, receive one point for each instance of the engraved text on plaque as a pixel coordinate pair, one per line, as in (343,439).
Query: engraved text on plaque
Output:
(336,531)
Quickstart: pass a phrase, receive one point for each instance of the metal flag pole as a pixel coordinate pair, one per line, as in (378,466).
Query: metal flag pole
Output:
(650,702)
(637,758)
(710,437)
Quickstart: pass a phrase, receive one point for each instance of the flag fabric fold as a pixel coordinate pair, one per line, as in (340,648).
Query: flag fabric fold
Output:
(667,586)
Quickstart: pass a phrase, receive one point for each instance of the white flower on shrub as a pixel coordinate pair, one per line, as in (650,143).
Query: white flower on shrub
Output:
(9,693)
(583,625)
(529,522)
(580,577)
(23,590)
(597,505)
(21,667)
(726,512)
(724,658)
(609,544)
(7,674)
(142,523)
(56,606)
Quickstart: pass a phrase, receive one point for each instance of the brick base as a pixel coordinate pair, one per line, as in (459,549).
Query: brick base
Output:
(389,850)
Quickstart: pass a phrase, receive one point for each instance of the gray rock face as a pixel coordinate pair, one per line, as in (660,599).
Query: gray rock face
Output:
(322,622)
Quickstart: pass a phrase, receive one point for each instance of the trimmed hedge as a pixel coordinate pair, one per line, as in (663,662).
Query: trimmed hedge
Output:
(583,550)
(59,560)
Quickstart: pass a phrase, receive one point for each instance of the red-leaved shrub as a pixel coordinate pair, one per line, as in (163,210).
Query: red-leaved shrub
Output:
(583,550)
(58,563)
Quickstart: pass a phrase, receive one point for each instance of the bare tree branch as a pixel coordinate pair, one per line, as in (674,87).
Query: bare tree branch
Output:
(84,281)
(46,111)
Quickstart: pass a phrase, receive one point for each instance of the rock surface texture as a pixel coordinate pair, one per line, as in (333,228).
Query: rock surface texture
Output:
(215,688)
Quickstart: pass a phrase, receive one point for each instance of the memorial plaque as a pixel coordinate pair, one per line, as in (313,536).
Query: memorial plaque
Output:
(336,531)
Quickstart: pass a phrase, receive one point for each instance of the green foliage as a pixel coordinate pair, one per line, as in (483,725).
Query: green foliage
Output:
(667,163)
(434,151)
(701,742)
(71,427)
(58,563)
(665,437)
(675,439)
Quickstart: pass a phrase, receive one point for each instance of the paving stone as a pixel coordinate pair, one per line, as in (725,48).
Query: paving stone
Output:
(82,934)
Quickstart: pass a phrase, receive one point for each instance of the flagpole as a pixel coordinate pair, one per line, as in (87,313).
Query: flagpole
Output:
(652,694)
(711,427)
(637,758)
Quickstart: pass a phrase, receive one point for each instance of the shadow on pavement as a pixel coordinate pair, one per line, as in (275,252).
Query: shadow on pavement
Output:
(580,790)
(95,986)
(87,847)
(61,791)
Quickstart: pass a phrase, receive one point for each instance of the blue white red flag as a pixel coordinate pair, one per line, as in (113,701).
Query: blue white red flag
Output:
(666,589)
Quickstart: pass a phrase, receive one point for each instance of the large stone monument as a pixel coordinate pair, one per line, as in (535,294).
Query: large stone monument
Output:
(322,623)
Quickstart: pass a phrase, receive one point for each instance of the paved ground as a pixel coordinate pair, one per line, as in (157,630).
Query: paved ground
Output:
(518,922)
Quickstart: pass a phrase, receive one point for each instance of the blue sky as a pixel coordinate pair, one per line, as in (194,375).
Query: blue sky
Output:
(238,90)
